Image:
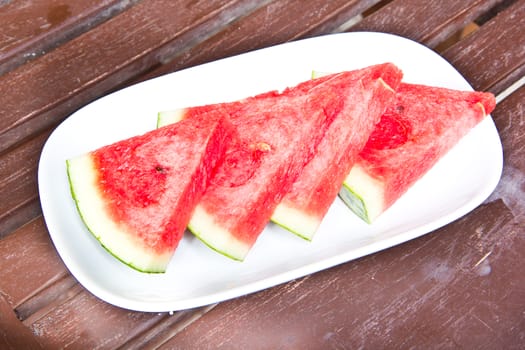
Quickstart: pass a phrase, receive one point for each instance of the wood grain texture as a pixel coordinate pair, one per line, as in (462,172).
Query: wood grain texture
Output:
(458,287)
(29,29)
(85,322)
(44,91)
(51,303)
(46,298)
(494,56)
(13,334)
(436,20)
(18,184)
(441,290)
(510,121)
(165,329)
(267,26)
(47,89)
(28,263)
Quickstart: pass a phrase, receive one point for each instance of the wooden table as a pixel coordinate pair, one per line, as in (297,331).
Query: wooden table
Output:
(462,286)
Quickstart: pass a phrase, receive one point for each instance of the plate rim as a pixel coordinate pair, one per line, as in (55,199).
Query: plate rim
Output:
(168,306)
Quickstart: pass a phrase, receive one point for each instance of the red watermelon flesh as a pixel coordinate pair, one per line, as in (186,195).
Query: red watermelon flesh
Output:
(279,134)
(421,126)
(303,208)
(277,137)
(137,195)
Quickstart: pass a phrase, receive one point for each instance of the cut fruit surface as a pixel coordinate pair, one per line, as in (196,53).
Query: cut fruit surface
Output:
(366,98)
(278,135)
(136,196)
(421,126)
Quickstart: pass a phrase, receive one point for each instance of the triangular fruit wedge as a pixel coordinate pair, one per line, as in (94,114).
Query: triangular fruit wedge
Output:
(421,126)
(137,195)
(279,134)
(303,208)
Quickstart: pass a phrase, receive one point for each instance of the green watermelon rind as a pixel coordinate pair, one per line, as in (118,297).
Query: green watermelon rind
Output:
(169,117)
(355,202)
(172,116)
(296,225)
(213,248)
(364,199)
(280,211)
(76,199)
(347,194)
(363,194)
(290,229)
(201,223)
(201,238)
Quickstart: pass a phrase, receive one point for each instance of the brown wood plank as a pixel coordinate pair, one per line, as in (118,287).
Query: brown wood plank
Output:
(28,29)
(18,184)
(493,57)
(164,330)
(269,25)
(59,311)
(42,301)
(85,322)
(28,263)
(13,334)
(429,23)
(455,288)
(26,211)
(509,118)
(44,91)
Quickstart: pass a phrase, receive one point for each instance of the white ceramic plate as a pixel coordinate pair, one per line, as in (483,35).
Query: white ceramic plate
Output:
(198,276)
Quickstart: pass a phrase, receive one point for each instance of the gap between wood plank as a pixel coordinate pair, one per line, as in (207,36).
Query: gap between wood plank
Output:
(171,325)
(46,113)
(209,28)
(14,334)
(42,43)
(511,89)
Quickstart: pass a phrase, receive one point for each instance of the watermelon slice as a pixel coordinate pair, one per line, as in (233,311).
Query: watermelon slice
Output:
(137,195)
(413,134)
(279,134)
(303,208)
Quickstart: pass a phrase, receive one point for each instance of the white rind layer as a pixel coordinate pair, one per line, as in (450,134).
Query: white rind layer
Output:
(113,237)
(169,117)
(202,224)
(296,221)
(358,187)
(369,192)
(216,237)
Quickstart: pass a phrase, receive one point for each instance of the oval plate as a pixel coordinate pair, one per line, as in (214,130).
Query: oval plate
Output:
(197,276)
